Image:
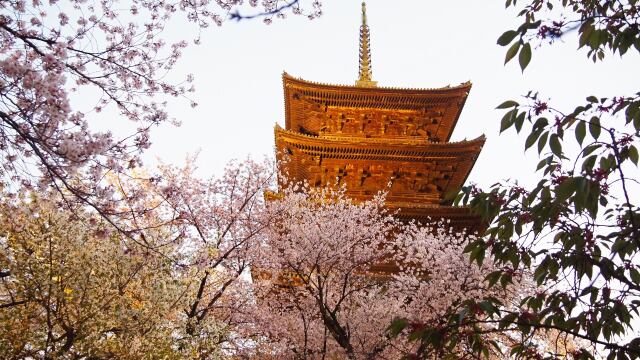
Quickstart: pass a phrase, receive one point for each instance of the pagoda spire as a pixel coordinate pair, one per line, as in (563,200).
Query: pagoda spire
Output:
(364,79)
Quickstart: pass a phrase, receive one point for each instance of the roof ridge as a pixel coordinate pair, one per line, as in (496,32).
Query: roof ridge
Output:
(463,85)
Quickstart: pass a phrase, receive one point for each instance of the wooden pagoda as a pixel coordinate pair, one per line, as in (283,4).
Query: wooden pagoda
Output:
(373,138)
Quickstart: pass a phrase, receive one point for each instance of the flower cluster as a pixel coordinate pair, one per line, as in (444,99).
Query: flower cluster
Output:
(64,61)
(332,274)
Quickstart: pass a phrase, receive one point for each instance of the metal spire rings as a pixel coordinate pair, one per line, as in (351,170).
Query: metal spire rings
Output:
(364,79)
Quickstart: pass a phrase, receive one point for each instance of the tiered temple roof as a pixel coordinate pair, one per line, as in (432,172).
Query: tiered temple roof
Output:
(321,109)
(372,138)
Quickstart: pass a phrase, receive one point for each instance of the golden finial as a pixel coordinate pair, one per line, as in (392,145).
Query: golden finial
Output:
(364,13)
(365,53)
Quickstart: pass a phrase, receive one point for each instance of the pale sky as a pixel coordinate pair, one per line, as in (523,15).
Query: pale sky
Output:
(415,44)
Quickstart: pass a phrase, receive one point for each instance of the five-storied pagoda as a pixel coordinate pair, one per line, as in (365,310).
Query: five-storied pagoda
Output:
(372,138)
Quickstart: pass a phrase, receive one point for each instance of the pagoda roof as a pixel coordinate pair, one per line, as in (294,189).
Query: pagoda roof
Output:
(364,147)
(459,157)
(450,99)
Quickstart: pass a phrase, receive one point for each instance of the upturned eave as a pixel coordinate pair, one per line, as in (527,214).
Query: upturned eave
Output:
(451,98)
(405,147)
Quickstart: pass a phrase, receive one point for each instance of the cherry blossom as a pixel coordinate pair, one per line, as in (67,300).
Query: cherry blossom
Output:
(105,55)
(333,274)
(169,282)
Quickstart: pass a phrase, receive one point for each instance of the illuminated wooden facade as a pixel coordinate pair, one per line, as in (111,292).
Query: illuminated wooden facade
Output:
(372,138)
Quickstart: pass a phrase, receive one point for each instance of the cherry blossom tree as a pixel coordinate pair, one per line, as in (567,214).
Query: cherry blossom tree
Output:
(100,258)
(79,198)
(222,220)
(72,285)
(112,55)
(332,274)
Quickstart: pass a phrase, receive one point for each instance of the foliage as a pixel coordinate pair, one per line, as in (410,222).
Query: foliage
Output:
(70,290)
(602,26)
(100,259)
(73,286)
(333,273)
(578,229)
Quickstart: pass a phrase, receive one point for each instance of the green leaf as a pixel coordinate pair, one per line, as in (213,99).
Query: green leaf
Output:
(507,104)
(633,154)
(415,335)
(525,56)
(607,163)
(542,142)
(519,121)
(480,256)
(635,275)
(534,25)
(565,189)
(633,114)
(513,50)
(541,164)
(594,127)
(396,327)
(541,272)
(507,120)
(568,121)
(585,34)
(618,246)
(531,139)
(555,145)
(581,132)
(540,123)
(592,99)
(505,280)
(589,149)
(507,37)
(493,277)
(488,307)
(586,291)
(507,320)
(589,162)
(485,352)
(470,247)
(595,39)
